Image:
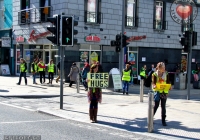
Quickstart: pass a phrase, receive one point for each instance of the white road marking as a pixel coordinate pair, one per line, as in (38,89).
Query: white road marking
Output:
(17,107)
(32,121)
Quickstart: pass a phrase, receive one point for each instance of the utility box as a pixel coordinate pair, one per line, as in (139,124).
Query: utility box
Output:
(180,81)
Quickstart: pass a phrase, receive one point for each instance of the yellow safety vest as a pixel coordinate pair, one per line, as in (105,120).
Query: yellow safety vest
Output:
(22,67)
(35,67)
(126,75)
(40,69)
(158,82)
(142,72)
(51,67)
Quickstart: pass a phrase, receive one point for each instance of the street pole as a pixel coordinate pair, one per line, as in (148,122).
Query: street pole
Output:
(121,54)
(62,49)
(189,56)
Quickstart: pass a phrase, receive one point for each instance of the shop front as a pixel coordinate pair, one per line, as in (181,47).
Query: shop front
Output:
(36,51)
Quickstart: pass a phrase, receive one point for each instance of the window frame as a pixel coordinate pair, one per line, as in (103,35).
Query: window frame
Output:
(23,12)
(41,14)
(135,18)
(97,14)
(162,22)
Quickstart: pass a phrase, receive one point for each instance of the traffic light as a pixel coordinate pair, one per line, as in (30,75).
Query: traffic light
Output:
(124,43)
(184,41)
(194,38)
(118,40)
(67,30)
(55,30)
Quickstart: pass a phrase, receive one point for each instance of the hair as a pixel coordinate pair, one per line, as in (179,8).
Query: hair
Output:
(51,60)
(93,67)
(74,64)
(160,65)
(127,66)
(22,59)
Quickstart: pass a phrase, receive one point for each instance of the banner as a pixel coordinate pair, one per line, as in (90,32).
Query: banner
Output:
(98,80)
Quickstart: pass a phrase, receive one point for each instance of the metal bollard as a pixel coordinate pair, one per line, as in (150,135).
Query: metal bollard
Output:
(77,84)
(141,89)
(150,111)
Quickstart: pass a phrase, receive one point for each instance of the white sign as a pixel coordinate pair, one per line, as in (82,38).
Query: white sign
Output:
(143,58)
(193,59)
(6,41)
(11,53)
(117,81)
(5,70)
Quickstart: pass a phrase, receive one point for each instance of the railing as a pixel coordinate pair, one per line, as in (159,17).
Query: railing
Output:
(93,17)
(160,24)
(131,21)
(34,15)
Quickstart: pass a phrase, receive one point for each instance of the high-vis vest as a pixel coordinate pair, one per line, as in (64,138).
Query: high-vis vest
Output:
(142,72)
(40,69)
(126,75)
(159,82)
(35,67)
(22,67)
(51,67)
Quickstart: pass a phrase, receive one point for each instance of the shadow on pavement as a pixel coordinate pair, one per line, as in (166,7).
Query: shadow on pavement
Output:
(36,86)
(2,90)
(141,123)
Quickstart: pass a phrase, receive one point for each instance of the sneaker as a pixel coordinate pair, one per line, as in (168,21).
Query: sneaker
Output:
(126,93)
(17,83)
(123,92)
(86,89)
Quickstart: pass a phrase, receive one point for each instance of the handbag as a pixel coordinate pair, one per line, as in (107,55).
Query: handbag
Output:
(156,96)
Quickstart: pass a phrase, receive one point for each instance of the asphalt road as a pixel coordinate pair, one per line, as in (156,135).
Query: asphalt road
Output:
(16,121)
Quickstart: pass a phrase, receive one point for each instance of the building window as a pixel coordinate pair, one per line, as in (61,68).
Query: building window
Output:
(92,11)
(131,17)
(159,22)
(24,14)
(44,10)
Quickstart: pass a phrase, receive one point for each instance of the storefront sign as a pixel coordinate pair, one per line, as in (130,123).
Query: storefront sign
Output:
(92,38)
(98,80)
(6,42)
(5,70)
(181,11)
(20,39)
(135,38)
(35,37)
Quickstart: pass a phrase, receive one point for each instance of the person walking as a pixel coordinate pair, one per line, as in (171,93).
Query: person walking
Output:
(143,72)
(34,69)
(94,97)
(58,67)
(160,76)
(73,74)
(23,70)
(51,70)
(85,70)
(41,70)
(126,78)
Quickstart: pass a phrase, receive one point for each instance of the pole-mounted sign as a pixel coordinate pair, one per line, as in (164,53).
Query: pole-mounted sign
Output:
(181,11)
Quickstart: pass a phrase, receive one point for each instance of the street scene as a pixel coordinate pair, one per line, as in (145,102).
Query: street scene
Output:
(99,69)
(119,116)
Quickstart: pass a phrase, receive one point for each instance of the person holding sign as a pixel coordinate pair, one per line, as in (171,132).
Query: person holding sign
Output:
(23,70)
(161,86)
(126,78)
(94,96)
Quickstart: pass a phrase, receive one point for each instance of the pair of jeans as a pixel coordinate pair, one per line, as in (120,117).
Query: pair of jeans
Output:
(85,83)
(163,100)
(34,78)
(51,75)
(42,75)
(125,86)
(22,74)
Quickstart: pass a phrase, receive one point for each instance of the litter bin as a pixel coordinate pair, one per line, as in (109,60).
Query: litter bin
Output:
(180,81)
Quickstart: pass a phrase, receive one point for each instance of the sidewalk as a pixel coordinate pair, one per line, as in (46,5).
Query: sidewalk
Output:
(119,111)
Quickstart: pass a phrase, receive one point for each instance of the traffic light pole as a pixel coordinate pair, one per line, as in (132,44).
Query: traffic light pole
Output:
(121,54)
(62,49)
(189,57)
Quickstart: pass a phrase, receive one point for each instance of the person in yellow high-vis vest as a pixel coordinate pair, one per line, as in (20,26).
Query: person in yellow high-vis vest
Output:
(160,76)
(41,70)
(126,78)
(51,71)
(23,70)
(143,72)
(34,69)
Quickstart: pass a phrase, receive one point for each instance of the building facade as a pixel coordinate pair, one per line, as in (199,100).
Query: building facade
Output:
(155,36)
(6,47)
